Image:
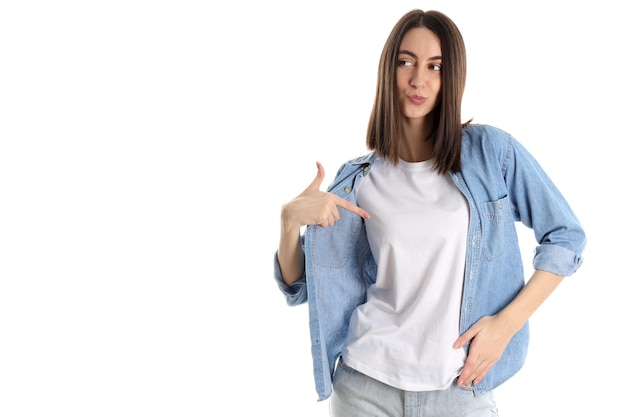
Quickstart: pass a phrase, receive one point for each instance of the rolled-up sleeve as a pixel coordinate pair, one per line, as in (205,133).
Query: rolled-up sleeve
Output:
(294,294)
(556,259)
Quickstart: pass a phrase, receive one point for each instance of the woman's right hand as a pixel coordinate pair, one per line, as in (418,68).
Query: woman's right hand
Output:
(313,206)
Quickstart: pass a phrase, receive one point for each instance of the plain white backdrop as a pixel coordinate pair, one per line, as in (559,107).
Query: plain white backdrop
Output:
(146,148)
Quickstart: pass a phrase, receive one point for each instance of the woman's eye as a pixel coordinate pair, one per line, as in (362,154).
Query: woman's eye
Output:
(405,63)
(436,67)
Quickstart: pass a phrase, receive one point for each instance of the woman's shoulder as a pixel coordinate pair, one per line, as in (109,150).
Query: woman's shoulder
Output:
(358,162)
(485,144)
(368,158)
(485,135)
(484,131)
(352,167)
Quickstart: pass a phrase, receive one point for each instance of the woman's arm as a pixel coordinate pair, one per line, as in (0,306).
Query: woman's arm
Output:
(490,335)
(290,255)
(312,206)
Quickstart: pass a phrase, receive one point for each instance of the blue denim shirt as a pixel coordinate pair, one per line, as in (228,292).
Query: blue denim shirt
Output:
(503,184)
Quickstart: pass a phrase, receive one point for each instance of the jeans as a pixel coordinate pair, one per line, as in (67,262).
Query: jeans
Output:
(358,395)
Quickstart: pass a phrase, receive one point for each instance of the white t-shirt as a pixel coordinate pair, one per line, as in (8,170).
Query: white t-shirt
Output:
(403,334)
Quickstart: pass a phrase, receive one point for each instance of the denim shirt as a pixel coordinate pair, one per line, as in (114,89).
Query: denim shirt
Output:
(503,184)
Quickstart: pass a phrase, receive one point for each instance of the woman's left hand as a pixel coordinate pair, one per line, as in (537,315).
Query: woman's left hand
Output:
(488,338)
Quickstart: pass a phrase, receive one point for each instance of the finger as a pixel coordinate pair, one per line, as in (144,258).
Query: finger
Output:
(480,372)
(340,202)
(317,182)
(479,378)
(470,375)
(465,338)
(467,373)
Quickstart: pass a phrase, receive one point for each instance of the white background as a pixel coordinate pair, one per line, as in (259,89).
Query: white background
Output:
(146,148)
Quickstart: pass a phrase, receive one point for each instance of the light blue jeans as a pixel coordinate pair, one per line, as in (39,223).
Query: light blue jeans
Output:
(355,394)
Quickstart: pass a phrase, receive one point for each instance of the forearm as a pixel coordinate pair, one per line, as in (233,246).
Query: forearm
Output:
(538,288)
(290,256)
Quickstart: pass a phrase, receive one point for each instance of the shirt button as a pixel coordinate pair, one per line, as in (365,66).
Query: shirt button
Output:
(500,206)
(346,189)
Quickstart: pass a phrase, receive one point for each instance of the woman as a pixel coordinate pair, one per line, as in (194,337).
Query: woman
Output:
(410,262)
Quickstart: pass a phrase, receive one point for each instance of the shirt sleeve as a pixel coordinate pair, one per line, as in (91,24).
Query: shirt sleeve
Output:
(541,206)
(294,294)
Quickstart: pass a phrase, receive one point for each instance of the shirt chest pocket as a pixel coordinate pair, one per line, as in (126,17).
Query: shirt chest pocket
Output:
(333,247)
(498,227)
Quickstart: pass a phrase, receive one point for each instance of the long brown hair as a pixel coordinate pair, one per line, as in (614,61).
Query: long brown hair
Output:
(383,131)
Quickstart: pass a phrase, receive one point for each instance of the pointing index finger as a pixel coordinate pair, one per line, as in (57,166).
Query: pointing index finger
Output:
(340,202)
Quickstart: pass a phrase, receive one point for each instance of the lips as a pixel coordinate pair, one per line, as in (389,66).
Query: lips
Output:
(417,100)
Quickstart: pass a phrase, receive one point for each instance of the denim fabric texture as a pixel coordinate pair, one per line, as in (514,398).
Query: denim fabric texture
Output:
(503,185)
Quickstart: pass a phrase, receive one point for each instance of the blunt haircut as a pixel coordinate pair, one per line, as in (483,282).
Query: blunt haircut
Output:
(383,131)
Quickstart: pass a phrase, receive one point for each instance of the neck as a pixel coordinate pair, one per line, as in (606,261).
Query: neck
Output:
(416,144)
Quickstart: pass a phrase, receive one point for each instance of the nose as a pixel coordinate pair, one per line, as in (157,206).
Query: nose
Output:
(417,79)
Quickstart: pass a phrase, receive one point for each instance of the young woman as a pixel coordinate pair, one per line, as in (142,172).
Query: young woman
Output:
(410,262)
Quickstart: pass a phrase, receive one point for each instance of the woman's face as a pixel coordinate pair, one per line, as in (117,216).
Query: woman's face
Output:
(418,73)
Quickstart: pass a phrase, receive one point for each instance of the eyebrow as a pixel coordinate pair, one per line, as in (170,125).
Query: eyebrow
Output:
(432,58)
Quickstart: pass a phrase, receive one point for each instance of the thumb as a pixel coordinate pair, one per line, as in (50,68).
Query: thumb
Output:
(317,182)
